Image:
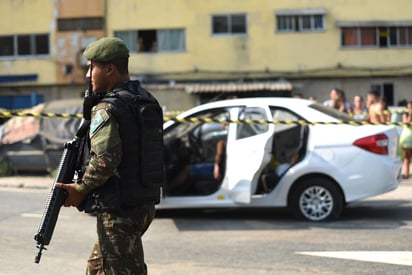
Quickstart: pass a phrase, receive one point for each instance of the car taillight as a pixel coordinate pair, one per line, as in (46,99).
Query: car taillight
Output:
(377,144)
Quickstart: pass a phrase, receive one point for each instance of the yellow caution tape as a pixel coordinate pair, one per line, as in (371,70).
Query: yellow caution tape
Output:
(284,122)
(209,120)
(38,115)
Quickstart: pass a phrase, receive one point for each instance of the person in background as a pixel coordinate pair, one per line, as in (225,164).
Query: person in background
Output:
(385,111)
(153,47)
(375,108)
(396,116)
(359,110)
(342,104)
(313,98)
(405,141)
(338,101)
(140,45)
(220,160)
(333,95)
(371,98)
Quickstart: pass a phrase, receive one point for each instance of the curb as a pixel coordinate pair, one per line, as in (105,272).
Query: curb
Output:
(30,182)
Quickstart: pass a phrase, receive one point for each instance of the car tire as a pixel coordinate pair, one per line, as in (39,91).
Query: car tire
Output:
(316,199)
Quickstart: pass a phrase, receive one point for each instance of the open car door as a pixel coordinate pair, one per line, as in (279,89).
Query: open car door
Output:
(249,151)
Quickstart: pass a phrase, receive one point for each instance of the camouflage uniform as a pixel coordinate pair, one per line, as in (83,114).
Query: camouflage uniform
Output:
(119,247)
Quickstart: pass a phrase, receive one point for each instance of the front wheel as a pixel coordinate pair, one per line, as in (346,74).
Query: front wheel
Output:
(316,199)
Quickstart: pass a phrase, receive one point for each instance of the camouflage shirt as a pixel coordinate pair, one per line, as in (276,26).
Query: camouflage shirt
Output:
(105,151)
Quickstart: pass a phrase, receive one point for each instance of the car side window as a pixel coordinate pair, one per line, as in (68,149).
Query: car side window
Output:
(288,139)
(283,115)
(245,130)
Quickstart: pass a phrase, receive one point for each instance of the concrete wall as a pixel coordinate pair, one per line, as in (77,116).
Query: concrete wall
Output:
(352,86)
(262,49)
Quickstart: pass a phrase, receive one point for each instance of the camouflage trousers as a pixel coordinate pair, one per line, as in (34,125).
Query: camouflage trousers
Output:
(119,248)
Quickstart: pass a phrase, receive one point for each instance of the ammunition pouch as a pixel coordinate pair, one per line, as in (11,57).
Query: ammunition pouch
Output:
(103,198)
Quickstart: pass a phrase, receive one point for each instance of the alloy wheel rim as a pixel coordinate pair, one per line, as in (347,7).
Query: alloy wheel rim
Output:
(316,203)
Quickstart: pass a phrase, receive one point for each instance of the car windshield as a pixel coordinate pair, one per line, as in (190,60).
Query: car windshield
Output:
(332,112)
(181,129)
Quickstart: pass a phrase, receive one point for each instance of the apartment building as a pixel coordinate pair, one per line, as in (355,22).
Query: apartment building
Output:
(191,51)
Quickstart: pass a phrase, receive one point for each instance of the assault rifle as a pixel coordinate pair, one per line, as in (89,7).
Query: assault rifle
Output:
(69,168)
(69,164)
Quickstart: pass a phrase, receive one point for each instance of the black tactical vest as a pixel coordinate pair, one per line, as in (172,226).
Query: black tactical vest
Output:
(140,119)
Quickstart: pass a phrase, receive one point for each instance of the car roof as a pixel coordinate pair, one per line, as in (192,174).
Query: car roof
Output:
(253,101)
(303,108)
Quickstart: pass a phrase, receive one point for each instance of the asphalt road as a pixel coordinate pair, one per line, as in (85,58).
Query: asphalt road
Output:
(373,237)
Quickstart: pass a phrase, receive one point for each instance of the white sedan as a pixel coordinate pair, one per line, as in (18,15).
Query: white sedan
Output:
(313,169)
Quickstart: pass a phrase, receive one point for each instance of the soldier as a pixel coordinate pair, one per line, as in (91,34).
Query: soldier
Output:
(108,186)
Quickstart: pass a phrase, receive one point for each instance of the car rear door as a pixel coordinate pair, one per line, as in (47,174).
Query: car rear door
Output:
(248,152)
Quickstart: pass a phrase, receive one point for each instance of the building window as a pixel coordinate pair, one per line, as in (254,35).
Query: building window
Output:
(6,45)
(82,24)
(146,41)
(377,37)
(229,24)
(403,36)
(41,44)
(386,91)
(24,45)
(300,23)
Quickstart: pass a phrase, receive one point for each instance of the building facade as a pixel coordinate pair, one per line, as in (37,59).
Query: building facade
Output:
(190,51)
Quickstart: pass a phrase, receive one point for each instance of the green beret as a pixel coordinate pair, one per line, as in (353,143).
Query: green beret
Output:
(106,49)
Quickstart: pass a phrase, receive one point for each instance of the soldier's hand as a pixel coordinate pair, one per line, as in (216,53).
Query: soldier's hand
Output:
(74,197)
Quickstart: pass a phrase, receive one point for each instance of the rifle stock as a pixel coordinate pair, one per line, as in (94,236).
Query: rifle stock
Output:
(69,163)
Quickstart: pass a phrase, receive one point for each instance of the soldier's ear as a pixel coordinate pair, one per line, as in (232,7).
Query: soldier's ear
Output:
(110,68)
